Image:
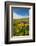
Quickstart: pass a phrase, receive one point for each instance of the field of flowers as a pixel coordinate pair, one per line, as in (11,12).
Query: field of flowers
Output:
(21,27)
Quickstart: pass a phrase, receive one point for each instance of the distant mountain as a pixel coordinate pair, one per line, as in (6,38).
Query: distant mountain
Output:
(15,16)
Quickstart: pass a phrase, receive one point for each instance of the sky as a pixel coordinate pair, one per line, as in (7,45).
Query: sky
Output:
(20,12)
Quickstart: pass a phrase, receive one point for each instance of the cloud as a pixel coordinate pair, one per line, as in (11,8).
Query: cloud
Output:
(16,16)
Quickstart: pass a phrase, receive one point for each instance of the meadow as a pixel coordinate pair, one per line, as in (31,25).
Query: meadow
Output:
(21,27)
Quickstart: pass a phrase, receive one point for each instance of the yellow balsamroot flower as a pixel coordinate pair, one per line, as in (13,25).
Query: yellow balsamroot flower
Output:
(26,25)
(20,25)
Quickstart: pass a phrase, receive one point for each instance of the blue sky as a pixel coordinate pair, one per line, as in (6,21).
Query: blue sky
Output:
(21,11)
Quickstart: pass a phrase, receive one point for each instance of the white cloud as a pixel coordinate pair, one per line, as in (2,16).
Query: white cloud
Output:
(16,16)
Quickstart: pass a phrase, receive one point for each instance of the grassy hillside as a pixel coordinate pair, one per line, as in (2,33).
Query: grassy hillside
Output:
(21,27)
